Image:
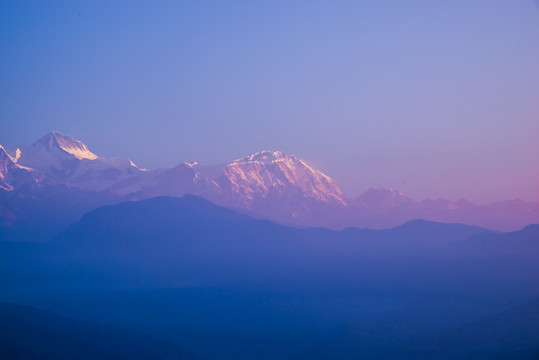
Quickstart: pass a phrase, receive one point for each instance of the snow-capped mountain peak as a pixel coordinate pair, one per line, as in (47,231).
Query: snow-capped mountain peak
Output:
(69,162)
(275,174)
(57,140)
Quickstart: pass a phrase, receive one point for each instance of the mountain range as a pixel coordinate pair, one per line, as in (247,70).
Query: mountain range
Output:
(63,176)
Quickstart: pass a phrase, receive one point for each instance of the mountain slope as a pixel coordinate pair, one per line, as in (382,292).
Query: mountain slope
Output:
(518,244)
(273,173)
(13,175)
(57,142)
(168,215)
(29,333)
(279,187)
(192,238)
(513,334)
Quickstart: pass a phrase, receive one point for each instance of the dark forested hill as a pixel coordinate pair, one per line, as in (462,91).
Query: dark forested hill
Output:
(30,333)
(512,334)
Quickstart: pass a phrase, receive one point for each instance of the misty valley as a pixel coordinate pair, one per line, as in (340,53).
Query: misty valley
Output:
(261,258)
(183,278)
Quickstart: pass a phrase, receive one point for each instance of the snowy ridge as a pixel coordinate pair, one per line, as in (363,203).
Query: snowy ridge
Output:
(264,156)
(273,172)
(69,162)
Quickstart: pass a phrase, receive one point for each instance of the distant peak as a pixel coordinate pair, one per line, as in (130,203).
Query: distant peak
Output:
(381,193)
(56,139)
(387,191)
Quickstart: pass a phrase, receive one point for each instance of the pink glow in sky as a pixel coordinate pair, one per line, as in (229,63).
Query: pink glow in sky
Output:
(437,99)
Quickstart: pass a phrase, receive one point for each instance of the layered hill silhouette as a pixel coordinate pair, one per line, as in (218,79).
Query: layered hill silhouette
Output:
(181,240)
(274,279)
(169,220)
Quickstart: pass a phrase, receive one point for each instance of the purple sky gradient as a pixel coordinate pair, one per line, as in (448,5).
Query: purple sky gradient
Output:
(438,99)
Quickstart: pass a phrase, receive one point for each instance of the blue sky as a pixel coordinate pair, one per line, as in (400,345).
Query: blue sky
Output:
(438,99)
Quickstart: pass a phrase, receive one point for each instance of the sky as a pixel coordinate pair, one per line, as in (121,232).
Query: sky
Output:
(439,99)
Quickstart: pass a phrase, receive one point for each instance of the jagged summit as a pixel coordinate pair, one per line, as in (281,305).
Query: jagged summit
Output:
(67,161)
(57,140)
(275,174)
(279,158)
(266,156)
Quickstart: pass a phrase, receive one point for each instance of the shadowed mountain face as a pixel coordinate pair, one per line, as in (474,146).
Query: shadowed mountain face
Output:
(39,213)
(512,334)
(232,287)
(213,242)
(268,185)
(517,244)
(29,333)
(190,233)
